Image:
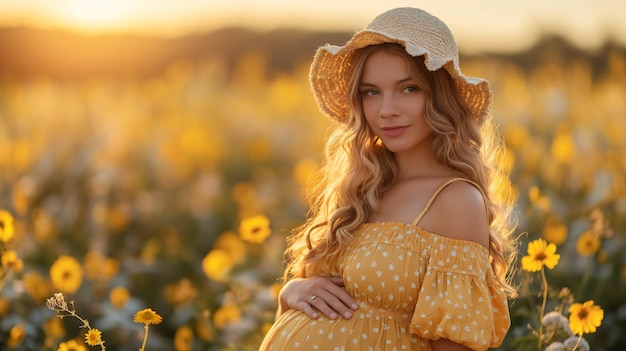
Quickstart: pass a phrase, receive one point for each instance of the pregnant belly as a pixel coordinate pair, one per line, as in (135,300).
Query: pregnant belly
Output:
(366,329)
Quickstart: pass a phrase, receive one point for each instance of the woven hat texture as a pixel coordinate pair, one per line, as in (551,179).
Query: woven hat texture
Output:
(421,34)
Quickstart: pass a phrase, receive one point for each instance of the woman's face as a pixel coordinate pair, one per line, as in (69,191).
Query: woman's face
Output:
(393,103)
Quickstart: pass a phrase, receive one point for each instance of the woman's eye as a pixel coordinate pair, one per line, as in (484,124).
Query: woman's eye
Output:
(410,89)
(369,92)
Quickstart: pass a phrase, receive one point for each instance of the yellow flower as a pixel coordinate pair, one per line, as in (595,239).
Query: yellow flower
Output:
(119,297)
(255,229)
(16,336)
(587,243)
(538,200)
(226,314)
(533,194)
(563,148)
(585,318)
(6,226)
(36,286)
(117,218)
(540,254)
(10,259)
(231,243)
(183,339)
(217,264)
(244,193)
(93,337)
(43,226)
(5,304)
(147,316)
(205,330)
(71,345)
(54,328)
(99,267)
(180,292)
(555,233)
(66,274)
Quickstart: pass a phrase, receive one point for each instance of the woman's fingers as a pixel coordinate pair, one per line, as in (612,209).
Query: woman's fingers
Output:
(332,305)
(336,280)
(343,298)
(307,308)
(325,295)
(320,304)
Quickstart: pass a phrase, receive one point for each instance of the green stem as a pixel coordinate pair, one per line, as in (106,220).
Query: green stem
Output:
(580,337)
(86,324)
(145,339)
(84,321)
(544,281)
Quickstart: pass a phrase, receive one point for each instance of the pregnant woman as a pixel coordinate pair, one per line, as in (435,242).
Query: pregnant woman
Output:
(408,242)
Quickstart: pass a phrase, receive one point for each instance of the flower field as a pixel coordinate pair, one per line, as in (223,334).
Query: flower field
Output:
(172,195)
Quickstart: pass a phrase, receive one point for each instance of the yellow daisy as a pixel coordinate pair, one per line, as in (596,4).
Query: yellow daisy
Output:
(17,334)
(255,229)
(555,233)
(585,318)
(119,296)
(231,243)
(93,337)
(11,260)
(66,274)
(540,254)
(204,330)
(225,315)
(71,345)
(37,286)
(183,339)
(6,226)
(180,292)
(54,328)
(587,243)
(217,265)
(4,306)
(147,316)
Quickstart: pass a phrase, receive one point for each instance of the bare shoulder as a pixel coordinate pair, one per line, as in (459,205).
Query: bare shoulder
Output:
(459,212)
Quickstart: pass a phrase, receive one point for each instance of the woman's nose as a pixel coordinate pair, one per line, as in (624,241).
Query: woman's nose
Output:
(389,106)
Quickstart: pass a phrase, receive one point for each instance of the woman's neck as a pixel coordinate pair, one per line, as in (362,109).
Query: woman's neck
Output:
(420,165)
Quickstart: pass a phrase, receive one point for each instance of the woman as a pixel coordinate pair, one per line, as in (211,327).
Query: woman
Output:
(408,242)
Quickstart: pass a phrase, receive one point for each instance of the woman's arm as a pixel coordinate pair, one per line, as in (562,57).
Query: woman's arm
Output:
(464,203)
(331,298)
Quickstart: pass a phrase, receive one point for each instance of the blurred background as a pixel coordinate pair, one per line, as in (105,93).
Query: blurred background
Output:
(153,154)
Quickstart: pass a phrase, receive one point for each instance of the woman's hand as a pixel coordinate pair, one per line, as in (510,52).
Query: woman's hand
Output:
(317,294)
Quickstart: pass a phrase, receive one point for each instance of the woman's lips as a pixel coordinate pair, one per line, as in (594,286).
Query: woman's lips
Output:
(394,131)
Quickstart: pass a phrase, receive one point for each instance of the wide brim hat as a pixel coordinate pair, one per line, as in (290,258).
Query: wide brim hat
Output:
(421,34)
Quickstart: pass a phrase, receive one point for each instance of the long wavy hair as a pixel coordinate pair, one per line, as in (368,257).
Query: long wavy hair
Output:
(357,168)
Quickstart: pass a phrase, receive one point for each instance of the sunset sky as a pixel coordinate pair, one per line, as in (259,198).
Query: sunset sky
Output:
(478,25)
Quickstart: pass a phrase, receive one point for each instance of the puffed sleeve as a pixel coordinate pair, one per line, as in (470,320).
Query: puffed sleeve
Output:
(458,299)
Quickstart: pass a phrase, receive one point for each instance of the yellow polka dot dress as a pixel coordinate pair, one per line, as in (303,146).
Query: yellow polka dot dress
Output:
(411,286)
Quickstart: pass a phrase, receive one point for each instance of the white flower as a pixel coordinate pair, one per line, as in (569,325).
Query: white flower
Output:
(556,346)
(571,342)
(557,326)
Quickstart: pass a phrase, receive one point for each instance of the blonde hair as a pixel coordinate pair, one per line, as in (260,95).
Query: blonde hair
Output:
(357,168)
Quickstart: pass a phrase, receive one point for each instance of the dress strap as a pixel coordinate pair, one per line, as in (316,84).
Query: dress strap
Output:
(432,199)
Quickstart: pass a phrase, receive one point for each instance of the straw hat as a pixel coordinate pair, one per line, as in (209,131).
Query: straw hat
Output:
(421,34)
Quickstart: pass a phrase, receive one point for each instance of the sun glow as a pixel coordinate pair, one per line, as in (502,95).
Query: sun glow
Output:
(97,14)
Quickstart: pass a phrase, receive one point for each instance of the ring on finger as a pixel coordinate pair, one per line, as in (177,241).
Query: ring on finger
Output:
(313,297)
